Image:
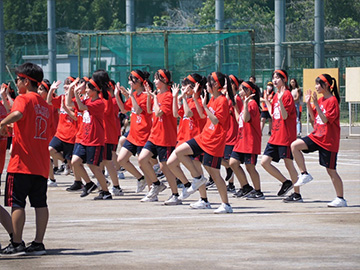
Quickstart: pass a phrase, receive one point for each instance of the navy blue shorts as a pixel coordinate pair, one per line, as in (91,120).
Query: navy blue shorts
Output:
(108,149)
(278,152)
(163,152)
(19,186)
(245,158)
(60,146)
(227,152)
(208,160)
(265,114)
(134,149)
(89,154)
(326,158)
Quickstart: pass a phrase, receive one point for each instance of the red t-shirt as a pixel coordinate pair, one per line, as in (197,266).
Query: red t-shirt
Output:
(78,137)
(327,135)
(111,136)
(67,127)
(163,130)
(249,133)
(117,117)
(212,138)
(283,131)
(233,124)
(93,132)
(30,153)
(55,116)
(188,127)
(140,124)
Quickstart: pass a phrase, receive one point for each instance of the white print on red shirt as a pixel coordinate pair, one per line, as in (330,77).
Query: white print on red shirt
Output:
(276,113)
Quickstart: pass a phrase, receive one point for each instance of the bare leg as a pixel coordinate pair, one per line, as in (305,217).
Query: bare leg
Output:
(124,161)
(238,171)
(183,152)
(42,217)
(170,177)
(174,165)
(337,182)
(271,169)
(18,221)
(296,148)
(146,165)
(79,170)
(289,164)
(5,220)
(112,171)
(254,175)
(219,182)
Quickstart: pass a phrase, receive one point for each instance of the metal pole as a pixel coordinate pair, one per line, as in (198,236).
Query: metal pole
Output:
(219,25)
(51,39)
(319,52)
(279,31)
(166,50)
(2,43)
(130,27)
(79,56)
(89,56)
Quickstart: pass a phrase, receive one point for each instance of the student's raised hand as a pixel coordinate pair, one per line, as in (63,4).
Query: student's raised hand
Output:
(74,83)
(308,96)
(314,97)
(78,89)
(3,89)
(196,88)
(247,99)
(54,86)
(175,89)
(204,98)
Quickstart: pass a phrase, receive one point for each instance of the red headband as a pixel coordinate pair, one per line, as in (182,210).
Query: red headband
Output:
(234,80)
(28,77)
(94,84)
(216,79)
(137,76)
(282,73)
(86,79)
(45,85)
(323,78)
(191,79)
(162,73)
(248,86)
(111,85)
(71,78)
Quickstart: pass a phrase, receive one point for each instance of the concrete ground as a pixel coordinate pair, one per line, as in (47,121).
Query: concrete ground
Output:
(269,234)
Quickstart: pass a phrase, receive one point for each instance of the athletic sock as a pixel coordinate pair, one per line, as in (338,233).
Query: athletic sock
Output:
(188,184)
(141,178)
(205,199)
(157,183)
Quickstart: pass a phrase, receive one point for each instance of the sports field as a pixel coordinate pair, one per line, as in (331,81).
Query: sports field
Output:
(124,233)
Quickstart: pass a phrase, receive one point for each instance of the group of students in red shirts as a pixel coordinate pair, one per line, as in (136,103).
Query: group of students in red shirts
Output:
(223,129)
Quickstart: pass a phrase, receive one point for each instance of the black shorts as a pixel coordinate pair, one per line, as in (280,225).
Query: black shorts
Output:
(326,158)
(163,152)
(134,149)
(228,151)
(278,152)
(208,160)
(60,146)
(265,114)
(19,186)
(89,154)
(245,158)
(108,149)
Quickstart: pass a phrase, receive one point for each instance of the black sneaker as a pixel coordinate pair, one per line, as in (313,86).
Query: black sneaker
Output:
(103,195)
(243,192)
(210,183)
(294,197)
(35,249)
(285,188)
(255,195)
(88,188)
(229,174)
(60,170)
(160,175)
(77,185)
(11,250)
(230,188)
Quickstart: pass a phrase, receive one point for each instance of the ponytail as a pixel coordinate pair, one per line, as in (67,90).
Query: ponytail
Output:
(328,82)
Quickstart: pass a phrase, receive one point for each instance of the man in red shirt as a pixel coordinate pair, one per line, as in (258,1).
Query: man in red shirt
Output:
(32,125)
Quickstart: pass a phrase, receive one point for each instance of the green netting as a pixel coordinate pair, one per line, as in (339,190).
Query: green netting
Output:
(180,52)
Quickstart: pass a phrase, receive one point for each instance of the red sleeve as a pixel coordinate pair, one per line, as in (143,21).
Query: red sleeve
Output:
(332,110)
(93,107)
(56,102)
(128,105)
(166,104)
(19,105)
(222,109)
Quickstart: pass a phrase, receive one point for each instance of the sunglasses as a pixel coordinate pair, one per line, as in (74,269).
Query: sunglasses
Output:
(17,79)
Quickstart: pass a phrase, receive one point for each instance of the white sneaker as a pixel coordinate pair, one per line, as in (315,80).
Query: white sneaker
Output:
(196,183)
(200,204)
(147,199)
(67,170)
(156,168)
(337,202)
(106,173)
(117,191)
(173,200)
(51,183)
(303,179)
(223,209)
(185,194)
(141,185)
(121,175)
(156,189)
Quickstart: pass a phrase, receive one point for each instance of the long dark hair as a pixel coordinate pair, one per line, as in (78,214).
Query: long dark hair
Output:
(328,82)
(283,75)
(254,90)
(222,78)
(102,79)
